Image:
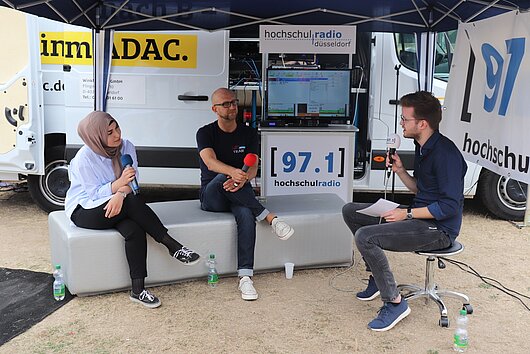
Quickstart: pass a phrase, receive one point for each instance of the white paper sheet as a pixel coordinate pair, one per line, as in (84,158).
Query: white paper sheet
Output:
(379,208)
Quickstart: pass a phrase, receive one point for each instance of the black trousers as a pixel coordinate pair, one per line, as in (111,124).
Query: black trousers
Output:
(134,220)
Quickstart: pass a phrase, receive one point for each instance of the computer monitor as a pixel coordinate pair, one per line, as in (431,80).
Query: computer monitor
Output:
(300,95)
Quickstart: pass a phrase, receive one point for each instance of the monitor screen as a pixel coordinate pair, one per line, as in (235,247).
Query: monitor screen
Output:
(308,94)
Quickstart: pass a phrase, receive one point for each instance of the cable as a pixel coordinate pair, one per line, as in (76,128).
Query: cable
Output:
(334,276)
(258,75)
(487,280)
(355,114)
(237,83)
(252,71)
(461,265)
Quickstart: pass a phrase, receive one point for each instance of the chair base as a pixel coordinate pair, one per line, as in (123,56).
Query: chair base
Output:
(431,291)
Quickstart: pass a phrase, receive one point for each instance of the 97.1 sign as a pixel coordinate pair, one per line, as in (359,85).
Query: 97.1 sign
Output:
(304,162)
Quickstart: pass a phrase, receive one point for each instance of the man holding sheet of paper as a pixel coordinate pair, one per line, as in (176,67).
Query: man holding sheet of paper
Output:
(431,222)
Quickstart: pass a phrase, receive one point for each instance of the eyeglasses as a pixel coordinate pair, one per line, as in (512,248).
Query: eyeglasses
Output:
(403,119)
(227,104)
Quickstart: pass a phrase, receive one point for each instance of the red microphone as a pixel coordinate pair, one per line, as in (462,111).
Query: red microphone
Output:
(248,162)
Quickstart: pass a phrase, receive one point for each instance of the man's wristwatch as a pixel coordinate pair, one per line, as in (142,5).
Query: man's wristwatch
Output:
(123,194)
(409,213)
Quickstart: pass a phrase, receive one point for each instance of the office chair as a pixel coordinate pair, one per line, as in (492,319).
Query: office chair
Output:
(431,290)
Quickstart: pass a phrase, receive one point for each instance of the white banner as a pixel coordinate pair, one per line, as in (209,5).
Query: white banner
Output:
(487,102)
(307,39)
(292,163)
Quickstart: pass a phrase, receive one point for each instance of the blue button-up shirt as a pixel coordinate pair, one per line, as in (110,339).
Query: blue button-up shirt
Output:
(439,169)
(91,176)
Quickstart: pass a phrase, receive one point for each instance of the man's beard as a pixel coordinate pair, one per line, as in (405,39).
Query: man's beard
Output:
(229,116)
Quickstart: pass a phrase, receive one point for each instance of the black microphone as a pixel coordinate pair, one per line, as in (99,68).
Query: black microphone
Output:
(393,141)
(248,161)
(126,161)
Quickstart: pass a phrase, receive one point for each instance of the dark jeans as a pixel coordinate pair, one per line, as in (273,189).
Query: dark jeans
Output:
(372,238)
(134,220)
(246,209)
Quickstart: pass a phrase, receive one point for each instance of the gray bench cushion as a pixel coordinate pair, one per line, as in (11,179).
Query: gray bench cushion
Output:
(94,261)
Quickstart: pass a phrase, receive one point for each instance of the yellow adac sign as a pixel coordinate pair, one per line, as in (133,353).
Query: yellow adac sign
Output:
(130,49)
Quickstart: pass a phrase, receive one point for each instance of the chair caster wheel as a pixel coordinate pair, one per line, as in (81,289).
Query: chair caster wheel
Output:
(468,308)
(443,322)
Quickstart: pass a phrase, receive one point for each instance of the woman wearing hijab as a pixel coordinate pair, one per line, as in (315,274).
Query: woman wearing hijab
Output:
(100,198)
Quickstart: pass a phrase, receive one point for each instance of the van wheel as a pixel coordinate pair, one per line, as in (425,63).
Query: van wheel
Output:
(502,196)
(49,190)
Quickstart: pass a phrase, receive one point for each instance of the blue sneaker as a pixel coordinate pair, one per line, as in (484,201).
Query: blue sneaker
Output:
(389,315)
(371,291)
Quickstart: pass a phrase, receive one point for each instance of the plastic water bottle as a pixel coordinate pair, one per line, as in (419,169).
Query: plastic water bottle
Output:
(460,337)
(213,277)
(58,283)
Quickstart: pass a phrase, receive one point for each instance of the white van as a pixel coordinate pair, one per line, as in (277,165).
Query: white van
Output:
(159,93)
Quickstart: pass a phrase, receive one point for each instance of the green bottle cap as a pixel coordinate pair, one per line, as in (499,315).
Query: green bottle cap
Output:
(212,256)
(463,312)
(57,266)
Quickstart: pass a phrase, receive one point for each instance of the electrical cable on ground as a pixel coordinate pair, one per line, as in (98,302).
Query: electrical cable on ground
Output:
(488,281)
(461,265)
(352,267)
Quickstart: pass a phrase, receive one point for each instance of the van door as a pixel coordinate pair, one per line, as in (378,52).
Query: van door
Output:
(21,124)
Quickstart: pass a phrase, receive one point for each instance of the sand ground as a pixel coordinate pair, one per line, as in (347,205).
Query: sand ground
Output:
(314,312)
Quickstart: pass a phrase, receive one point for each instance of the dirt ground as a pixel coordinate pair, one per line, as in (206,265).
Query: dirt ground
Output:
(312,313)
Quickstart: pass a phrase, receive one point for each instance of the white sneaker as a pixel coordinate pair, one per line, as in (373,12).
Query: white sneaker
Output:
(281,229)
(247,289)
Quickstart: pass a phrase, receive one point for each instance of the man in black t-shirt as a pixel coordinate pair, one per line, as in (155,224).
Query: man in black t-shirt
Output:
(222,147)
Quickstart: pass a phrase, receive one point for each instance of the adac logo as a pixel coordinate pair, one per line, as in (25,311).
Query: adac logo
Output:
(129,49)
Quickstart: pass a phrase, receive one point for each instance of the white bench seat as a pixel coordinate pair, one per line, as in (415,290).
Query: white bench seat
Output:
(94,261)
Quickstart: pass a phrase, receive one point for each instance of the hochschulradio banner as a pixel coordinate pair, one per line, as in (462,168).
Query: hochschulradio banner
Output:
(487,102)
(307,39)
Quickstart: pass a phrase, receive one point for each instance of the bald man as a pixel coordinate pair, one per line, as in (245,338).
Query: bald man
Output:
(222,146)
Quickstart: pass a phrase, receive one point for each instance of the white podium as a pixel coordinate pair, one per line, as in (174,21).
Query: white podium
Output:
(308,160)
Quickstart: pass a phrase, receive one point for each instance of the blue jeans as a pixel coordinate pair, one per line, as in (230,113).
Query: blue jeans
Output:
(246,209)
(372,238)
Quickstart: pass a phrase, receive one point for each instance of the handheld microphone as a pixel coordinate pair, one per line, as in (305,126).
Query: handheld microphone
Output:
(126,161)
(248,161)
(393,141)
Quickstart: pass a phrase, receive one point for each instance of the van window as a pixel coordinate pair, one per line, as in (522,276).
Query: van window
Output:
(445,43)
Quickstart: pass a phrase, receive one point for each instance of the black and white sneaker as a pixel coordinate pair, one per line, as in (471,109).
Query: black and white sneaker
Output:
(186,256)
(146,298)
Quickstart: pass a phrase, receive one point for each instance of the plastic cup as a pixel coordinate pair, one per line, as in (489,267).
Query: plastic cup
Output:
(289,269)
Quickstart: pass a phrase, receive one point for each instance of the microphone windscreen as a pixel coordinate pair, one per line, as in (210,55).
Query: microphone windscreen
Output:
(250,160)
(126,160)
(393,141)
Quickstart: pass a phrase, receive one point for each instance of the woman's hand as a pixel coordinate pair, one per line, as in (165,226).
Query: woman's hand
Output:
(126,177)
(114,205)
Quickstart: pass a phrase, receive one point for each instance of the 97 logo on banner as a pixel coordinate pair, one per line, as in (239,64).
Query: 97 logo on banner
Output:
(515,47)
